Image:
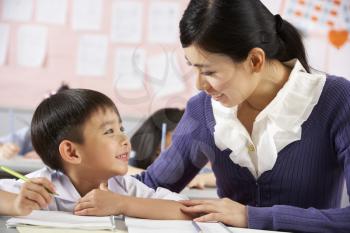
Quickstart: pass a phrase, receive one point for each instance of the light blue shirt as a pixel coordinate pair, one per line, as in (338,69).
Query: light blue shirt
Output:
(21,138)
(68,196)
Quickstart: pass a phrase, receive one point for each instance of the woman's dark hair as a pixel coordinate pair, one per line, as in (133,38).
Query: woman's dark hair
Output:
(146,140)
(234,27)
(62,116)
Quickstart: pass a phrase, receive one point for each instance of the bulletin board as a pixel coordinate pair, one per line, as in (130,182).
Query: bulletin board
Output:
(129,49)
(325,27)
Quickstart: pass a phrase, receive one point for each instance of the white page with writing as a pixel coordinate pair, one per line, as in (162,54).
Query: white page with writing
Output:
(61,219)
(4,42)
(34,229)
(339,60)
(31,45)
(164,76)
(163,22)
(136,225)
(129,66)
(92,55)
(320,44)
(87,14)
(17,10)
(51,11)
(127,21)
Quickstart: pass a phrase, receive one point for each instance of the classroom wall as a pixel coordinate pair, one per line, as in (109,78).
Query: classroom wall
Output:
(83,42)
(129,49)
(106,45)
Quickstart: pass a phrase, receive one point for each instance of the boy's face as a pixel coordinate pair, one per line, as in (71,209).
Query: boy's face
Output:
(106,149)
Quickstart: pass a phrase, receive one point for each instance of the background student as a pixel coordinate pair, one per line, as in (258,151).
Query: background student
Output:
(276,132)
(146,143)
(19,142)
(78,134)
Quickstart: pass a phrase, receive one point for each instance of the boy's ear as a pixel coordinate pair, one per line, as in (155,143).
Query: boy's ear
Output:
(69,152)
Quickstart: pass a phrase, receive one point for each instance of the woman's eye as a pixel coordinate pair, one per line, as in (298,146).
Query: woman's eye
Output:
(109,131)
(122,129)
(208,73)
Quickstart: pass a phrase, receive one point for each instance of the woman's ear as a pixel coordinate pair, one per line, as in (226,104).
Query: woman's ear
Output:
(256,58)
(69,152)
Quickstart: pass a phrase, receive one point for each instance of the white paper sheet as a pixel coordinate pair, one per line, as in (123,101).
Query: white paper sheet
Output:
(163,22)
(31,45)
(127,21)
(92,55)
(51,11)
(164,76)
(313,15)
(144,225)
(61,219)
(33,229)
(339,61)
(272,5)
(320,44)
(4,39)
(87,14)
(17,10)
(129,66)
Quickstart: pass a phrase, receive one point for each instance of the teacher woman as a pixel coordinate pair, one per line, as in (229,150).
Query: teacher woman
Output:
(276,132)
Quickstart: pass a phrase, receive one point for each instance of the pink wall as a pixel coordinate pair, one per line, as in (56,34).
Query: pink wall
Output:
(23,87)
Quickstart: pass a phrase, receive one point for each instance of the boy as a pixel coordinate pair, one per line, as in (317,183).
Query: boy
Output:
(78,134)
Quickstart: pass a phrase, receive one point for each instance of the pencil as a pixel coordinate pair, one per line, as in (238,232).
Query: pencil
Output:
(163,139)
(198,229)
(20,176)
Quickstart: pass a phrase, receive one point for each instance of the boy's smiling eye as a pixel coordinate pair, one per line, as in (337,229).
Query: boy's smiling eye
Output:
(109,131)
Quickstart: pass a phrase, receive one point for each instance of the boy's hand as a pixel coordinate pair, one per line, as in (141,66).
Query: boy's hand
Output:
(8,150)
(100,202)
(33,196)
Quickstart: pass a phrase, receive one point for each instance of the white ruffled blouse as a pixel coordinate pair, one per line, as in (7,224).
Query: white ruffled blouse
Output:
(278,125)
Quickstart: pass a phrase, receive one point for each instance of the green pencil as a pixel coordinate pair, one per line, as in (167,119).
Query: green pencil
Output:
(20,176)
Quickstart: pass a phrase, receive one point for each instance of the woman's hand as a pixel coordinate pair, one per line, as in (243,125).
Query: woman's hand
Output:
(222,210)
(100,202)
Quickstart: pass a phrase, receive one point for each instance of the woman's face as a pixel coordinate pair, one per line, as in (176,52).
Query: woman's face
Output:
(225,81)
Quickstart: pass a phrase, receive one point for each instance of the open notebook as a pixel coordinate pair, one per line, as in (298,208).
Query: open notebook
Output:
(59,219)
(136,225)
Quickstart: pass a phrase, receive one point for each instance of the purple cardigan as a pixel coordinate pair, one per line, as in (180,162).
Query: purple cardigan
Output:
(303,190)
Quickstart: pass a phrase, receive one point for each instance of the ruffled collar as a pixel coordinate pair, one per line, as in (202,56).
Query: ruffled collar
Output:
(278,125)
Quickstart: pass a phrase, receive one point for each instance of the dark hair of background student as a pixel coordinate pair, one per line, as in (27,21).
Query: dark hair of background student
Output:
(234,27)
(147,139)
(62,117)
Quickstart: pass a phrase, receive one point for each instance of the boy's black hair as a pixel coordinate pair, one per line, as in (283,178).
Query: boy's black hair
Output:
(62,116)
(146,140)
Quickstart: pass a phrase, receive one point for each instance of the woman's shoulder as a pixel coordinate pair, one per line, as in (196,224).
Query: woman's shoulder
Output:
(198,113)
(198,99)
(336,89)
